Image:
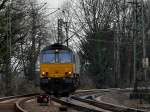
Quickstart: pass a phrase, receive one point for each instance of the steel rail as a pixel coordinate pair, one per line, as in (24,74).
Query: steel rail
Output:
(100,105)
(19,104)
(107,106)
(19,96)
(74,106)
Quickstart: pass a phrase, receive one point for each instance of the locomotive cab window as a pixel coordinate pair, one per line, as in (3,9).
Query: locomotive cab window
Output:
(48,57)
(62,56)
(65,57)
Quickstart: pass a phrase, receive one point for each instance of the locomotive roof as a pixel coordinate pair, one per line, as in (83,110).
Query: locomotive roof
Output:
(56,46)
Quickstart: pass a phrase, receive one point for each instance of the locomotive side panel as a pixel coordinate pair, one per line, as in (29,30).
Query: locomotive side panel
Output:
(77,64)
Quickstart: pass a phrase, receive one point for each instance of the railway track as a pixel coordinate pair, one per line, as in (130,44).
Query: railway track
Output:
(107,106)
(8,104)
(104,105)
(76,102)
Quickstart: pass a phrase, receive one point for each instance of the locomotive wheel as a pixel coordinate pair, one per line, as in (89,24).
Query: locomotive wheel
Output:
(65,94)
(63,108)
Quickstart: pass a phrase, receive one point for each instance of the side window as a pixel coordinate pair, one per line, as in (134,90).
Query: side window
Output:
(74,58)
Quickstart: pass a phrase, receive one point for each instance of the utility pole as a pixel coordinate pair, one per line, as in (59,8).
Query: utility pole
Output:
(139,29)
(140,64)
(8,74)
(9,27)
(60,24)
(134,4)
(33,39)
(67,37)
(117,48)
(134,39)
(143,35)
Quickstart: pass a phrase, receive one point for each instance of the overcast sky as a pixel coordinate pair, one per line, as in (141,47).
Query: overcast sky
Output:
(52,3)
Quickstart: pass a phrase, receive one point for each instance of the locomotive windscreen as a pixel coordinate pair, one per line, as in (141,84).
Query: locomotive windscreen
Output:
(53,56)
(65,56)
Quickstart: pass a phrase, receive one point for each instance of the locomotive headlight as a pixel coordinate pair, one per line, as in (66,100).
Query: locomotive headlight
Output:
(43,73)
(69,73)
(56,50)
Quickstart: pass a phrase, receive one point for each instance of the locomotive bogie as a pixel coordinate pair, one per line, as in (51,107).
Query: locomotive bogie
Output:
(57,86)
